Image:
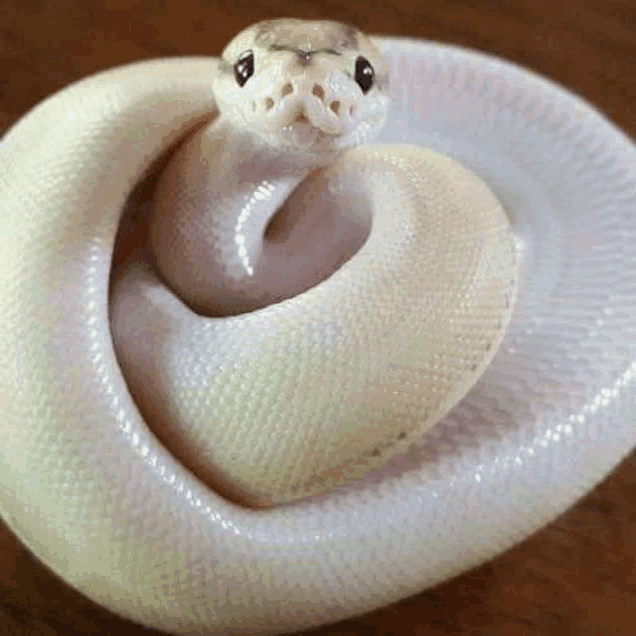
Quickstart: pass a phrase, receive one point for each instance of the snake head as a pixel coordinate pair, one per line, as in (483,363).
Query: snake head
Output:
(315,85)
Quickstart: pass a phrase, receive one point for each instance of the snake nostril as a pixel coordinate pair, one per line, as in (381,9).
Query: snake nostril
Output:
(335,107)
(352,111)
(318,91)
(288,89)
(269,103)
(253,107)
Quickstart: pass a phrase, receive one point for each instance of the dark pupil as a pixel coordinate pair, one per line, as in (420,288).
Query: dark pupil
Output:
(364,74)
(244,68)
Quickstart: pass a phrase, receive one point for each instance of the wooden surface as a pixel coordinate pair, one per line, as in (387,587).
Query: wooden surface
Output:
(575,577)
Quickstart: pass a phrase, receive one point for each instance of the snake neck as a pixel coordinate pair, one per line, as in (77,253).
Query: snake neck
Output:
(216,235)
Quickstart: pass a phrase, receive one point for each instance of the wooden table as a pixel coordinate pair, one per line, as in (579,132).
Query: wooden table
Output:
(575,577)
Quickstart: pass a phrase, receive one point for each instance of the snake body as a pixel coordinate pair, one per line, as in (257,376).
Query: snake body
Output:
(242,384)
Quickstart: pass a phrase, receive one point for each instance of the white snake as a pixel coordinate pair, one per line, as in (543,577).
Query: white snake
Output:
(265,406)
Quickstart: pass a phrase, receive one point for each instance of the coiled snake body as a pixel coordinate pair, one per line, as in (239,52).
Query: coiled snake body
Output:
(270,357)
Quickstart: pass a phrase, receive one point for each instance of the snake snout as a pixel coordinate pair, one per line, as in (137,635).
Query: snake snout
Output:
(307,102)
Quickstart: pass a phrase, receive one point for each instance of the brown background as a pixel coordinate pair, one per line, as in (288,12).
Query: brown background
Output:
(577,576)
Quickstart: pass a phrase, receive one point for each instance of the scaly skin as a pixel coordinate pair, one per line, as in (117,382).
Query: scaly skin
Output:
(121,496)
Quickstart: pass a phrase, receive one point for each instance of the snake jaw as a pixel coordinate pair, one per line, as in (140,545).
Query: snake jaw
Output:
(334,120)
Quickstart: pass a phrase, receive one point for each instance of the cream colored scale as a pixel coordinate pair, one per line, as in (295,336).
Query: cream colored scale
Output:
(269,358)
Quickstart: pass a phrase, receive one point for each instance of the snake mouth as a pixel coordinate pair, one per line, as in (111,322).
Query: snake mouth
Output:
(311,114)
(304,135)
(308,129)
(304,130)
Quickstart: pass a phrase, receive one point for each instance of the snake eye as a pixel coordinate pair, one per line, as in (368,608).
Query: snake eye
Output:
(244,68)
(364,74)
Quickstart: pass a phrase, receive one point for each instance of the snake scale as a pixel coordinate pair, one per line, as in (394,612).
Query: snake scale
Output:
(307,305)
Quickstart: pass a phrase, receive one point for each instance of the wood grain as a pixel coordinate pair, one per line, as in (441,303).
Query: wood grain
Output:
(575,577)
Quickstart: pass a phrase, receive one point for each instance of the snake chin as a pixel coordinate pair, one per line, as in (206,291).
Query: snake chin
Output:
(304,135)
